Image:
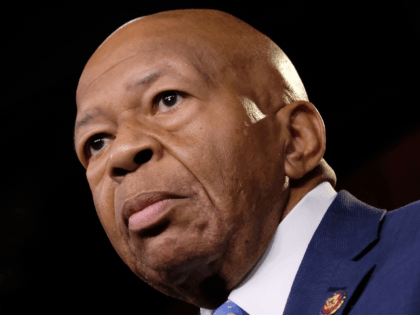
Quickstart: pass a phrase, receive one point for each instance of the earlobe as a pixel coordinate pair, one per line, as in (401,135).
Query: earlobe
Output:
(304,130)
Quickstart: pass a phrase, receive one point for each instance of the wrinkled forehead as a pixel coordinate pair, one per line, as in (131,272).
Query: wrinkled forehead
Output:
(135,75)
(197,50)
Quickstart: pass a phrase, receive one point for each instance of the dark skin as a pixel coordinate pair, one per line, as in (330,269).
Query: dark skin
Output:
(240,152)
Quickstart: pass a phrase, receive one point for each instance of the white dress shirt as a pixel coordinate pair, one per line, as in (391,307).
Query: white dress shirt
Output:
(264,291)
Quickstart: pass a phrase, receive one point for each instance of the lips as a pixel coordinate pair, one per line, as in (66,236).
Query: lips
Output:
(146,209)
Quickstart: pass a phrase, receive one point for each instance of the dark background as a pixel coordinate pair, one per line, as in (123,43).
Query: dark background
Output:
(359,62)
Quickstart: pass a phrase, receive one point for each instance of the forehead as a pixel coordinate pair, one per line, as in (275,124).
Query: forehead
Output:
(137,71)
(153,42)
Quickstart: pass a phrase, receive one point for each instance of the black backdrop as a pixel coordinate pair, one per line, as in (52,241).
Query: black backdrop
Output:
(359,63)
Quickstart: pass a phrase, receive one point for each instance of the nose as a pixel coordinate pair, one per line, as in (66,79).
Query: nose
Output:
(132,149)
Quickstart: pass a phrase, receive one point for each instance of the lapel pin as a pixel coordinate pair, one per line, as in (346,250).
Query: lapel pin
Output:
(333,303)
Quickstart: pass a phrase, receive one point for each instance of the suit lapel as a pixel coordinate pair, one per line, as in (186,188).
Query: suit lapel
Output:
(335,259)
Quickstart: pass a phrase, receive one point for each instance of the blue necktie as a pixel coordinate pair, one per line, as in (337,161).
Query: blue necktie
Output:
(230,308)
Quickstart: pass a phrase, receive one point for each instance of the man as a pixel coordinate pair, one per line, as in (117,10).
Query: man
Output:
(205,161)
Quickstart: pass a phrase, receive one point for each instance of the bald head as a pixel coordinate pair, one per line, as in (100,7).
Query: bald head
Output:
(223,48)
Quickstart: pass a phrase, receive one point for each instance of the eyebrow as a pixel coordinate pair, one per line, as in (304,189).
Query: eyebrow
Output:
(81,123)
(149,78)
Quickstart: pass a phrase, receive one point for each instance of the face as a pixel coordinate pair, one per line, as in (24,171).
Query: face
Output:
(202,173)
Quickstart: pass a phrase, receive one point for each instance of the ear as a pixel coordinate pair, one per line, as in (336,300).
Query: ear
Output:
(303,132)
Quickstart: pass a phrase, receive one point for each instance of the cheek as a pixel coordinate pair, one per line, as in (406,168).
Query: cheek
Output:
(95,173)
(234,165)
(248,175)
(103,191)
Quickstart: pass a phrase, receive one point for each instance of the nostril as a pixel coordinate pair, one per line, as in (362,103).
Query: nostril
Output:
(143,156)
(119,171)
(140,158)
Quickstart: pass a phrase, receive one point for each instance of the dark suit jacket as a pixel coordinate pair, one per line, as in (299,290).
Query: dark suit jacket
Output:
(370,254)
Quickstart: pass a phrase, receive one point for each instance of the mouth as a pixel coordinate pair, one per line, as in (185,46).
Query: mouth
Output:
(146,210)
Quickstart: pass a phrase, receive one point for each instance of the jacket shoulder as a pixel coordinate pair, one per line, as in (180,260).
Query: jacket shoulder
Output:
(400,232)
(405,220)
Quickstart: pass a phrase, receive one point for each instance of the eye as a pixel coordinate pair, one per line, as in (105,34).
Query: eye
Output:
(168,99)
(95,144)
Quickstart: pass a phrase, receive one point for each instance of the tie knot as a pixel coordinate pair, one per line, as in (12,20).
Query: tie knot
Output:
(229,308)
